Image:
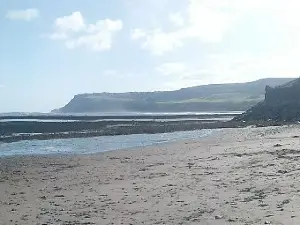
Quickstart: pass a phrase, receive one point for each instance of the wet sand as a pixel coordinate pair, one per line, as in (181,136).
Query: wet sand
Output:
(237,176)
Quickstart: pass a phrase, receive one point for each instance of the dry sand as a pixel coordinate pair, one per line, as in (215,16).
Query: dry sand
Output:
(238,176)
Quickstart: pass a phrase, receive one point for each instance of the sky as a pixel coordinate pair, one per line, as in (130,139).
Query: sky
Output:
(53,50)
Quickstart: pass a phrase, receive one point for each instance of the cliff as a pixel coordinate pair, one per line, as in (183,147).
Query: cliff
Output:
(214,97)
(281,103)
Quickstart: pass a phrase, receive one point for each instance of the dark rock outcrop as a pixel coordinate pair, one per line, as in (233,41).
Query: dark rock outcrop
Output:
(281,103)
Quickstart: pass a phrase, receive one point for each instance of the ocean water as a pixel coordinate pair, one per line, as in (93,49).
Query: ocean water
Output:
(122,113)
(95,144)
(120,120)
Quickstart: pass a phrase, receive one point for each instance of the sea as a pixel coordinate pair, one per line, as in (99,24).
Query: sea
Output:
(103,143)
(96,144)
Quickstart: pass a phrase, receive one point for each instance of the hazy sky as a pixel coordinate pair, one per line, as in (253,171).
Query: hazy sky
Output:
(52,50)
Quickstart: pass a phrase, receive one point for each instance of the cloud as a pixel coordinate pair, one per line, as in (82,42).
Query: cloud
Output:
(27,14)
(137,34)
(73,22)
(157,41)
(76,33)
(239,68)
(97,36)
(203,22)
(177,19)
(226,41)
(209,21)
(171,68)
(247,5)
(181,74)
(231,68)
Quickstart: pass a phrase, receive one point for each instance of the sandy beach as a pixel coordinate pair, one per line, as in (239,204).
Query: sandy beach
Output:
(236,176)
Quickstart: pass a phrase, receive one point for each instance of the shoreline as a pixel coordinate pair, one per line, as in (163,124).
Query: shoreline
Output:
(129,149)
(15,132)
(127,142)
(238,176)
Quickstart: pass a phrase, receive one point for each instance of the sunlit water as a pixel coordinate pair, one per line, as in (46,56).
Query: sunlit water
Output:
(124,113)
(117,120)
(95,144)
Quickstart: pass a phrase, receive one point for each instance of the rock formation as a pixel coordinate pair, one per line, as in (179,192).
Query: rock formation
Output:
(281,103)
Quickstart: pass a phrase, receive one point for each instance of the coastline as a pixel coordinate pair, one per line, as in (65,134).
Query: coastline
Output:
(93,129)
(94,145)
(235,176)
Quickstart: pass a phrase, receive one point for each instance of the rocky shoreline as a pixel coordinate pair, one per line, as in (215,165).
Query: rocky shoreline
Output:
(45,131)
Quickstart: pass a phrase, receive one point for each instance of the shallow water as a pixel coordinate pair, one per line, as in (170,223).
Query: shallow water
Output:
(95,144)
